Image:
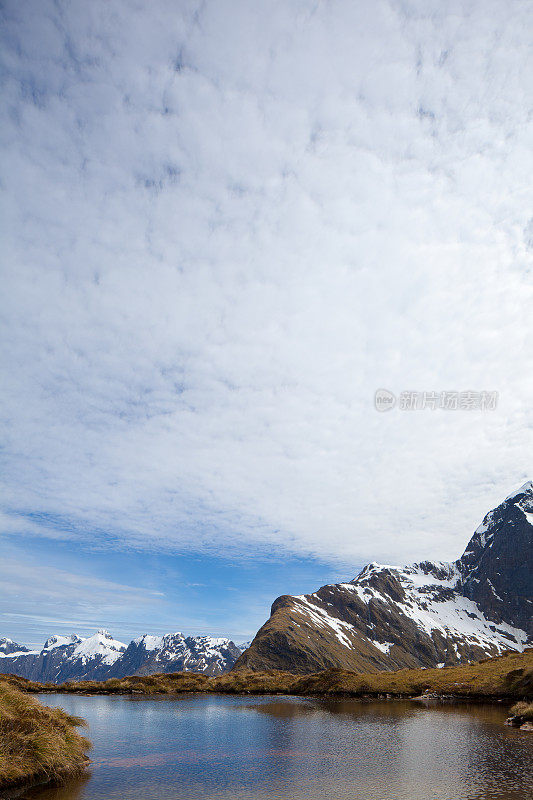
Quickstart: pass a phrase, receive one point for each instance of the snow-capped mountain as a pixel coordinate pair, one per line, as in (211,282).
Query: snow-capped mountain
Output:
(427,614)
(65,658)
(100,657)
(8,648)
(175,653)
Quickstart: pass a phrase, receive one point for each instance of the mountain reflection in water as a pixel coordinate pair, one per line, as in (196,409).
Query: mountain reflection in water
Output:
(238,748)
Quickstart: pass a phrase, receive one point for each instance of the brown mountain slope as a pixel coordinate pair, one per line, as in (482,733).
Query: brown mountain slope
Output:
(423,615)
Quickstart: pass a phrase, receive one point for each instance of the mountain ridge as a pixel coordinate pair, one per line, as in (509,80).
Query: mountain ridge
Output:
(100,657)
(426,614)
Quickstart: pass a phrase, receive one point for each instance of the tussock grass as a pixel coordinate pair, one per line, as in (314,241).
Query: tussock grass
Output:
(523,710)
(509,675)
(37,743)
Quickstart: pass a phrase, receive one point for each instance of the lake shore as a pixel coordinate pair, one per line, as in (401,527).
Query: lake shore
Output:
(42,744)
(37,744)
(506,677)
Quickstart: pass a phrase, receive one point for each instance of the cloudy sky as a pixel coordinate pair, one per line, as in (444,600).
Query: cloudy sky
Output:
(225,224)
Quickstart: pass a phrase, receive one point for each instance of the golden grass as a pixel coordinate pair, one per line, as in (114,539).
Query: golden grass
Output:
(509,675)
(37,743)
(523,710)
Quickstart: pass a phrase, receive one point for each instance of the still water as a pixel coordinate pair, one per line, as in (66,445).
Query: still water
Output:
(264,748)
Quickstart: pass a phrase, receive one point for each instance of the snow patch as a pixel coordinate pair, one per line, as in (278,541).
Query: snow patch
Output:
(149,642)
(61,641)
(322,619)
(18,653)
(524,489)
(101,644)
(527,514)
(383,646)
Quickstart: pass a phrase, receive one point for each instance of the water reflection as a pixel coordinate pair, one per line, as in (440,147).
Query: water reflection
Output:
(235,748)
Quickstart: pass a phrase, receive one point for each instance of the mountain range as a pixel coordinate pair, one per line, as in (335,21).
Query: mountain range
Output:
(100,657)
(428,614)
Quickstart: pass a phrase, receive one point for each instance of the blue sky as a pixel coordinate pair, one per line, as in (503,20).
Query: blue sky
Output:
(129,591)
(225,225)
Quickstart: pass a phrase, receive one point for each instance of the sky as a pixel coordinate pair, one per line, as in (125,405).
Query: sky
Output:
(225,225)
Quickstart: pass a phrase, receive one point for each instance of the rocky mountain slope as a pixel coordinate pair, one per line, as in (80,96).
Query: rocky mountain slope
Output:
(8,647)
(101,657)
(422,615)
(174,653)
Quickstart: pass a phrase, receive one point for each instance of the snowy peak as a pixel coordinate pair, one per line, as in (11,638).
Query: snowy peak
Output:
(174,652)
(100,656)
(422,614)
(61,641)
(148,642)
(8,647)
(101,646)
(502,520)
(497,565)
(526,489)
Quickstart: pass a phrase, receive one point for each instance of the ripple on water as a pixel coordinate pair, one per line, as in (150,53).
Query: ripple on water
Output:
(205,747)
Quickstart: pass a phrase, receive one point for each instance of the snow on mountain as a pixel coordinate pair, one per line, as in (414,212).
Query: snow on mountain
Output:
(101,646)
(424,614)
(174,652)
(525,489)
(432,602)
(60,641)
(10,648)
(148,642)
(100,656)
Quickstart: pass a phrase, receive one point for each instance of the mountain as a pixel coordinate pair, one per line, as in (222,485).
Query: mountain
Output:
(430,614)
(8,647)
(64,658)
(100,657)
(174,653)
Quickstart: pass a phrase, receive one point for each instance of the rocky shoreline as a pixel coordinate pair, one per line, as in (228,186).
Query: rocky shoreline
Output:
(521,716)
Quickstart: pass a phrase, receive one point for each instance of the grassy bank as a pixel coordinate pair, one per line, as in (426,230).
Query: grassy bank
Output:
(509,676)
(523,710)
(37,743)
(521,716)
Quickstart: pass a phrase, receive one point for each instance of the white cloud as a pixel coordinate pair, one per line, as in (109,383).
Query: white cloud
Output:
(37,597)
(226,224)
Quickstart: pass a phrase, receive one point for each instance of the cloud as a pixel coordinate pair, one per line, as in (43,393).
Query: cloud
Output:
(226,225)
(37,597)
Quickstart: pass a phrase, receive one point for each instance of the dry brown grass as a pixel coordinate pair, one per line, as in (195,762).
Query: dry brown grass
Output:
(37,743)
(523,710)
(507,676)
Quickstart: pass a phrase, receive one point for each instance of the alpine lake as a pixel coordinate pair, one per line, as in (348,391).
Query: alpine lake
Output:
(219,747)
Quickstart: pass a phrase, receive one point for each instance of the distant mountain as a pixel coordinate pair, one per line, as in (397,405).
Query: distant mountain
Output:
(174,653)
(101,657)
(8,647)
(64,658)
(427,614)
